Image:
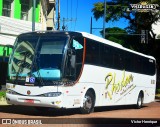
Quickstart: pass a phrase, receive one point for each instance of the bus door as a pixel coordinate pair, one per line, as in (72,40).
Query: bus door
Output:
(74,59)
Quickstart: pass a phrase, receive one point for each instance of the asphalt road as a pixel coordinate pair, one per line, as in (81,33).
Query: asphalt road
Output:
(148,114)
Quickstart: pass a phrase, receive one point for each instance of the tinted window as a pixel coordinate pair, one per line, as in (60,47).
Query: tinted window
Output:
(92,52)
(118,56)
(129,61)
(108,56)
(148,66)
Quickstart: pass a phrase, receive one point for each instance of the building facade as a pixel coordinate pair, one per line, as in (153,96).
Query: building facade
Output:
(16,18)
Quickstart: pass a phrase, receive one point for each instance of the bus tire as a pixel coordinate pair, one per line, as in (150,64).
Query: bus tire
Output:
(139,101)
(88,103)
(42,109)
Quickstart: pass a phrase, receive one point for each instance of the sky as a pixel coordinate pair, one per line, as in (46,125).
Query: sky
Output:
(80,12)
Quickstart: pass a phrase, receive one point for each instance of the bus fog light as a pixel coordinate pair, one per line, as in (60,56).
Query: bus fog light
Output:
(58,102)
(7,99)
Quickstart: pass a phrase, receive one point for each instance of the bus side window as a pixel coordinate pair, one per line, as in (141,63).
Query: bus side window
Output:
(138,64)
(118,59)
(79,55)
(74,58)
(92,52)
(77,45)
(128,61)
(149,66)
(106,56)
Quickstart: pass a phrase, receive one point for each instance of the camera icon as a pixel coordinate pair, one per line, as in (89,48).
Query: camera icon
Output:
(6,121)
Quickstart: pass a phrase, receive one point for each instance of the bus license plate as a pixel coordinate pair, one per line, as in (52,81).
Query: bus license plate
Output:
(29,101)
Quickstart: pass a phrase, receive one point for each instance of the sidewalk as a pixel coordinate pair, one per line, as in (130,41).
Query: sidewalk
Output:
(3,101)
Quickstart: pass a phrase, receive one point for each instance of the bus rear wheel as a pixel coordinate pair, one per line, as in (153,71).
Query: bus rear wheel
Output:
(139,101)
(88,103)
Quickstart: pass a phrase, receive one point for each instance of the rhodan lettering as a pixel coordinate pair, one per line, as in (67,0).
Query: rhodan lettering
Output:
(117,87)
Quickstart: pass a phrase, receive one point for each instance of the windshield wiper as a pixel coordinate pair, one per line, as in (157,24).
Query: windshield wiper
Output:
(34,64)
(21,66)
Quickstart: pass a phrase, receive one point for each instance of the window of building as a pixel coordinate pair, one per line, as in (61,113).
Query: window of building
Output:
(7,8)
(24,9)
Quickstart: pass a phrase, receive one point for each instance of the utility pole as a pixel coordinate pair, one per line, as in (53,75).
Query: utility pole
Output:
(104,19)
(67,20)
(33,14)
(63,27)
(58,15)
(91,26)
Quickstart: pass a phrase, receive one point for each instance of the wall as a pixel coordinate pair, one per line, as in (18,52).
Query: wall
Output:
(17,9)
(10,28)
(1,6)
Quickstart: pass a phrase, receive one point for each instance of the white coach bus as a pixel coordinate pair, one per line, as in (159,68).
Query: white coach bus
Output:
(77,70)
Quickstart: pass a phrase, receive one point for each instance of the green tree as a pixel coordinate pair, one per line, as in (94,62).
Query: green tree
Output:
(137,20)
(116,34)
(121,36)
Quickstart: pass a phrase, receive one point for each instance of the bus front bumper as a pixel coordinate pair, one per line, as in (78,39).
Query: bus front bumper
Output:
(54,102)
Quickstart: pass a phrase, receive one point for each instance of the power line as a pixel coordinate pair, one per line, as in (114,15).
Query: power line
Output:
(67,20)
(67,9)
(71,8)
(124,34)
(69,15)
(76,15)
(71,12)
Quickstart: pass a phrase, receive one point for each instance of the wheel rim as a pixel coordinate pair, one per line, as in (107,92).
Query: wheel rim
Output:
(139,101)
(87,102)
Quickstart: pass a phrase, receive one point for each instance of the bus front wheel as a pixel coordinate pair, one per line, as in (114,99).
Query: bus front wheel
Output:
(88,103)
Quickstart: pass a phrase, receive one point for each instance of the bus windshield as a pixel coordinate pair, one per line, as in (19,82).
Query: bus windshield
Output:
(39,56)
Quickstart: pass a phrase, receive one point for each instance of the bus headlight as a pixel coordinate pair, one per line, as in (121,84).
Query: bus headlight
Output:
(11,92)
(52,94)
